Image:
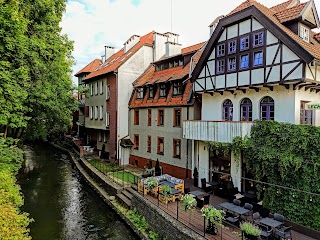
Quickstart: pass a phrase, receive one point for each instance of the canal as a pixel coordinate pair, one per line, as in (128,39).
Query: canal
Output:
(61,203)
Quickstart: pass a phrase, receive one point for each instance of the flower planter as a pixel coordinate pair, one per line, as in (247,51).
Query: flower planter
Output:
(250,237)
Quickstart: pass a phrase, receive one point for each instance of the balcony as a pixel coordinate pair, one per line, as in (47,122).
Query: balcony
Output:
(216,131)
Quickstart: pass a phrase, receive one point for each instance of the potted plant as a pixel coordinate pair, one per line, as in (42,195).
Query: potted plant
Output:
(166,192)
(188,203)
(152,183)
(214,217)
(250,231)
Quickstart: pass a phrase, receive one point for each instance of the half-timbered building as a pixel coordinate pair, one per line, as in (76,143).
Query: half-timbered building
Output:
(260,63)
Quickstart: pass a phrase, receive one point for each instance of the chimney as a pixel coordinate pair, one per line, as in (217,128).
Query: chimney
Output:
(214,24)
(108,52)
(172,49)
(133,40)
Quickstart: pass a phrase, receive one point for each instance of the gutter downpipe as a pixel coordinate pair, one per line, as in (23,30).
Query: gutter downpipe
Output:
(187,163)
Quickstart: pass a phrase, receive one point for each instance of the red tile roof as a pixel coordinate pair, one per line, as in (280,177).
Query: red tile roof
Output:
(90,67)
(192,48)
(152,77)
(317,36)
(290,13)
(120,57)
(313,47)
(281,6)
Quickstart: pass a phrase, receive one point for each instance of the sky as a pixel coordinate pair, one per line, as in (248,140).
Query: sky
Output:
(92,24)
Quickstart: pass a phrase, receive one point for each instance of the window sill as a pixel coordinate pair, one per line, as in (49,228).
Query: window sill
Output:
(160,153)
(177,157)
(177,126)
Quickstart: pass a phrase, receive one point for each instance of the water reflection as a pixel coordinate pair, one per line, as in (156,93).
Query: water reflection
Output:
(62,204)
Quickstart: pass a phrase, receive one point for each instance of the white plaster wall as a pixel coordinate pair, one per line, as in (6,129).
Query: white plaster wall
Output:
(271,38)
(236,170)
(233,31)
(256,25)
(302,95)
(284,104)
(244,27)
(288,55)
(257,76)
(130,43)
(223,36)
(271,52)
(203,168)
(315,71)
(213,54)
(159,44)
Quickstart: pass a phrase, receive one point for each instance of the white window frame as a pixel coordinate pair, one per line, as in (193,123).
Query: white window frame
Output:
(101,87)
(100,136)
(107,92)
(91,112)
(97,88)
(232,64)
(101,112)
(107,119)
(91,89)
(96,112)
(304,33)
(105,137)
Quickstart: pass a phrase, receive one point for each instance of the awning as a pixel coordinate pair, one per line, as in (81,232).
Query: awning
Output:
(313,105)
(126,143)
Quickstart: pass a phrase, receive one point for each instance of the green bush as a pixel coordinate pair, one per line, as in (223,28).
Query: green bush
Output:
(138,220)
(153,235)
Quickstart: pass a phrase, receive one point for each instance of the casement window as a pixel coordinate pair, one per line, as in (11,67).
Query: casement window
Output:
(177,88)
(244,43)
(107,119)
(91,89)
(257,58)
(160,146)
(267,108)
(96,113)
(149,144)
(180,62)
(99,136)
(246,110)
(163,90)
(232,46)
(304,33)
(161,117)
(227,109)
(157,68)
(220,66)
(91,112)
(232,63)
(244,61)
(161,67)
(175,63)
(101,87)
(176,148)
(306,116)
(149,117)
(136,141)
(170,64)
(136,117)
(108,92)
(151,91)
(221,50)
(101,112)
(258,39)
(177,117)
(97,88)
(139,93)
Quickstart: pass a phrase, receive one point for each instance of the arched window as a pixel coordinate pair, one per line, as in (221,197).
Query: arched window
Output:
(227,110)
(267,108)
(246,110)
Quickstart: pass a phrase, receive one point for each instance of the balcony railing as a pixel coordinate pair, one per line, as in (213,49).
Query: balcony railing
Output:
(216,131)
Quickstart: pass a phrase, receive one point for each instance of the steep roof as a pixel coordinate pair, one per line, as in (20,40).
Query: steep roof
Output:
(281,6)
(192,48)
(120,57)
(90,67)
(290,13)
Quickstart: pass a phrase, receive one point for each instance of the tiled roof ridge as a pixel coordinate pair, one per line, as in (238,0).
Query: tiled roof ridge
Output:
(89,67)
(281,6)
(192,48)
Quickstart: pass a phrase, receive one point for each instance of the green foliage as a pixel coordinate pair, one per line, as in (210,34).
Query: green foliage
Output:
(213,215)
(250,228)
(287,155)
(188,202)
(219,148)
(13,224)
(152,183)
(153,235)
(138,220)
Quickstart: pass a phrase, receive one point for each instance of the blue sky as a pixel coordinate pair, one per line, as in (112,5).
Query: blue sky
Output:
(92,24)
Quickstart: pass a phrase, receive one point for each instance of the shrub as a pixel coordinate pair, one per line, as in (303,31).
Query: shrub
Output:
(250,229)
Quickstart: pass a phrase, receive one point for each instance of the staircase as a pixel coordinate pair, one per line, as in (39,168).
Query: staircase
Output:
(126,195)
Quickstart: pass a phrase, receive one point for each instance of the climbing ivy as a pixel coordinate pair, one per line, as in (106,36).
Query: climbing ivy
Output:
(288,155)
(219,148)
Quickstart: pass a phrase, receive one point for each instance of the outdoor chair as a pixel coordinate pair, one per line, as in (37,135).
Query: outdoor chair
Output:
(234,219)
(248,206)
(283,233)
(265,231)
(206,187)
(256,218)
(236,202)
(278,217)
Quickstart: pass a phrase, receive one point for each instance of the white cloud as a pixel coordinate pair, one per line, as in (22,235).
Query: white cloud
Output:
(91,24)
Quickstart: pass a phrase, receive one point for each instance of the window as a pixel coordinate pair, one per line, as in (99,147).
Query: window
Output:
(244,61)
(91,89)
(246,110)
(220,50)
(151,92)
(177,88)
(227,110)
(107,119)
(86,111)
(101,112)
(105,137)
(96,113)
(232,47)
(149,144)
(108,92)
(140,93)
(157,68)
(162,90)
(101,87)
(91,113)
(176,148)
(160,147)
(306,116)
(257,58)
(180,62)
(175,63)
(177,117)
(244,43)
(160,117)
(136,142)
(170,64)
(99,136)
(149,117)
(220,66)
(267,108)
(136,117)
(258,39)
(232,64)
(97,87)
(304,33)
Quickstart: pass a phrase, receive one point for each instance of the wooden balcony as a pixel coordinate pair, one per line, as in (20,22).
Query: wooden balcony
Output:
(216,131)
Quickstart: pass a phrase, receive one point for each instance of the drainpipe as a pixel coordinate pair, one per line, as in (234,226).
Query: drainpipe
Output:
(187,163)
